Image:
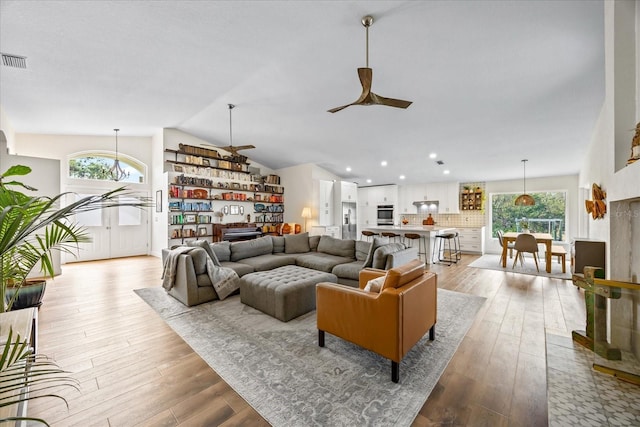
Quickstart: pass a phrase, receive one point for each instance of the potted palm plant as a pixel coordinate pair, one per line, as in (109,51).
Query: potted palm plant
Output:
(31,228)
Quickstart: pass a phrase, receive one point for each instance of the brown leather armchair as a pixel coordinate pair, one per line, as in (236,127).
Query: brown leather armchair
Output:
(389,323)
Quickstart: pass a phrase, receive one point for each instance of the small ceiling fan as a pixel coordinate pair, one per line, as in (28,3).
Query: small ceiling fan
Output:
(366,76)
(233,149)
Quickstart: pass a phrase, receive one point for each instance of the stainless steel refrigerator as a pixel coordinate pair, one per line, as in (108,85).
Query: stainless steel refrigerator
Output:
(349,220)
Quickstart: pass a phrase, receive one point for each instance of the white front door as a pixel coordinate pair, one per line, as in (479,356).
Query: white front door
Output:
(114,232)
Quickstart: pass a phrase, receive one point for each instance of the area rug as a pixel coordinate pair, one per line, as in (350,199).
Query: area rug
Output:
(281,372)
(492,262)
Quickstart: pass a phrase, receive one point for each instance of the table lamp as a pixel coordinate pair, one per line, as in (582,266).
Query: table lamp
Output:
(306,214)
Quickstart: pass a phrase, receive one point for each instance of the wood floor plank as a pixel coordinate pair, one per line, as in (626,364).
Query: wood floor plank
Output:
(134,370)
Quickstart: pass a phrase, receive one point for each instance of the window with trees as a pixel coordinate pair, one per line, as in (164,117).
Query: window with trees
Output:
(97,165)
(548,215)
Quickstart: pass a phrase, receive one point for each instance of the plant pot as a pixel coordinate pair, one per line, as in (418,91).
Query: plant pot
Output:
(29,295)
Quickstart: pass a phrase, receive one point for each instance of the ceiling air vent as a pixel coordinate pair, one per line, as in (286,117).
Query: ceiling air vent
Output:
(15,61)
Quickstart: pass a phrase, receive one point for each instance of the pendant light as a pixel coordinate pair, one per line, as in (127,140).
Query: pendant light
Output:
(116,172)
(524,199)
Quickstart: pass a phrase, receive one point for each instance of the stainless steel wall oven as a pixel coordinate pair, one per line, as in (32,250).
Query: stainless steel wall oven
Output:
(385,214)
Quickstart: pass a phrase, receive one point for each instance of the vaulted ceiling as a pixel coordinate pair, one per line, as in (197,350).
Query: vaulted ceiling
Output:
(492,82)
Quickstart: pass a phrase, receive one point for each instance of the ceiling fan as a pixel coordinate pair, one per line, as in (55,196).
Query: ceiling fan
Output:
(233,149)
(366,76)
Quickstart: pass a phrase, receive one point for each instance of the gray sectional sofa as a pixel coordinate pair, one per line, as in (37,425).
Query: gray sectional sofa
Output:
(344,258)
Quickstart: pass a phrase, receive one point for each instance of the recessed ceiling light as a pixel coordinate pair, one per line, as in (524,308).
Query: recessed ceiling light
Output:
(446,171)
(348,169)
(433,155)
(368,181)
(401,176)
(383,163)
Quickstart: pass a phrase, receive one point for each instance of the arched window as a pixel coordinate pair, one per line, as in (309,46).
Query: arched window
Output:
(97,164)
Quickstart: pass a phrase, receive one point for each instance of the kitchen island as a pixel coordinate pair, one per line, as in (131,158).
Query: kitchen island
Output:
(428,231)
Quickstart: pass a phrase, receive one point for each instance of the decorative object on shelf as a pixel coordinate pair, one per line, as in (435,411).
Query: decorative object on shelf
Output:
(524,199)
(235,210)
(225,210)
(366,76)
(116,172)
(596,207)
(635,146)
(306,214)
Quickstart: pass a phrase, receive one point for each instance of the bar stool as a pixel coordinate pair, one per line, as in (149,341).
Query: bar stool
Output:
(368,234)
(447,251)
(390,235)
(422,243)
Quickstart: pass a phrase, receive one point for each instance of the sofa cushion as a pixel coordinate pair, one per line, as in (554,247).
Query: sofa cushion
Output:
(296,243)
(239,268)
(207,247)
(222,251)
(377,242)
(338,247)
(278,244)
(313,243)
(268,261)
(249,248)
(362,249)
(350,270)
(321,261)
(381,253)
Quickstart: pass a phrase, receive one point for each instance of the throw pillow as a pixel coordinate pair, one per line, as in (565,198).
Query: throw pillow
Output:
(222,251)
(278,244)
(375,285)
(207,248)
(377,242)
(362,250)
(338,247)
(296,243)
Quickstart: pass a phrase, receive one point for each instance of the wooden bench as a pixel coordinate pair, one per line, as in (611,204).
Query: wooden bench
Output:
(561,253)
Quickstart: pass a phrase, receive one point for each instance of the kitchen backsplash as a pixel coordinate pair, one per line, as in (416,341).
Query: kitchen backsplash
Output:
(466,219)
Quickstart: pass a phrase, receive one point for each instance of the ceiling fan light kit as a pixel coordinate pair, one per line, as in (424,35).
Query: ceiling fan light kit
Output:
(366,77)
(524,199)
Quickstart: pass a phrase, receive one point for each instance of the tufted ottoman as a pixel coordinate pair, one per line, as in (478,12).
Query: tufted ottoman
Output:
(285,292)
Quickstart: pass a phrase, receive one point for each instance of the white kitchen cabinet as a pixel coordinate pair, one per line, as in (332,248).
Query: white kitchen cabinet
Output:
(331,230)
(325,203)
(348,191)
(447,194)
(387,195)
(407,194)
(367,210)
(471,240)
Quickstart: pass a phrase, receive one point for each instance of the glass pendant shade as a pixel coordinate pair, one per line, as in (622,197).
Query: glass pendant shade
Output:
(524,199)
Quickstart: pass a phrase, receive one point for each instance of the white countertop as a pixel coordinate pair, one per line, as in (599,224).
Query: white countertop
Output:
(414,228)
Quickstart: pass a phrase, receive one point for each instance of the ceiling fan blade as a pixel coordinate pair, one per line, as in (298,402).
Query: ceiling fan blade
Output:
(244,147)
(335,110)
(390,102)
(365,75)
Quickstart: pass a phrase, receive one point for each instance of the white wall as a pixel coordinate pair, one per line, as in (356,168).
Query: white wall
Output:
(301,189)
(599,163)
(8,131)
(568,183)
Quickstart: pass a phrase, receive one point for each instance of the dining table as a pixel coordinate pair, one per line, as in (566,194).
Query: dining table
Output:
(541,238)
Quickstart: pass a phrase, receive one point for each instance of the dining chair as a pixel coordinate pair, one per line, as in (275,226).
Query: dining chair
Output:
(500,234)
(525,243)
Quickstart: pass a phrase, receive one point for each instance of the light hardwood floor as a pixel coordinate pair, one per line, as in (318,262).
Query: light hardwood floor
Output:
(134,370)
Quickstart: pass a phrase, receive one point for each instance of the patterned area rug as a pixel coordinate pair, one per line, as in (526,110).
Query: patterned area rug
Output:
(280,370)
(492,262)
